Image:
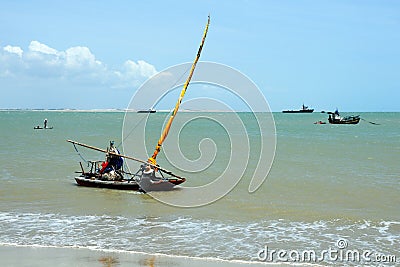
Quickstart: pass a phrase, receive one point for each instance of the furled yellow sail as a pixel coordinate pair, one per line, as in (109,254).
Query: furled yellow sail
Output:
(164,134)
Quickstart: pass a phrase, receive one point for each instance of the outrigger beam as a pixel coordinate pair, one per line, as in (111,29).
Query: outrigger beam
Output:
(124,156)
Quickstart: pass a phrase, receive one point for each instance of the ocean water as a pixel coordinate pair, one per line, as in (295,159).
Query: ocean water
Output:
(328,184)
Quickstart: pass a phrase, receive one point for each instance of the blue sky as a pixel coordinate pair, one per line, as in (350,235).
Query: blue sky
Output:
(95,54)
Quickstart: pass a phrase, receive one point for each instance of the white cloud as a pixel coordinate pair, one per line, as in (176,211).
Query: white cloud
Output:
(13,50)
(74,65)
(35,46)
(141,68)
(78,57)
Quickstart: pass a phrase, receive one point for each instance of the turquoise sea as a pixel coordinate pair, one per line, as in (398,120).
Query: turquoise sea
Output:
(329,185)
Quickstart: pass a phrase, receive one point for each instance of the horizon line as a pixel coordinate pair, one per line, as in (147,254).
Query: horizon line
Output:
(161,111)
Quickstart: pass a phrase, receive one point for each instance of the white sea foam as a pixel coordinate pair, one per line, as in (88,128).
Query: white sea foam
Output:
(191,237)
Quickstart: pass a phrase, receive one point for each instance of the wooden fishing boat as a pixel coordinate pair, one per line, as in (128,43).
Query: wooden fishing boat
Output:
(345,120)
(335,118)
(125,181)
(94,176)
(150,176)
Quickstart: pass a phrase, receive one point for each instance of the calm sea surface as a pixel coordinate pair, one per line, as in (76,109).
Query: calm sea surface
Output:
(327,182)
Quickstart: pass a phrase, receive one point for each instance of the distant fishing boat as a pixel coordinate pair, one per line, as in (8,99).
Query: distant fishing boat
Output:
(147,111)
(150,176)
(42,128)
(304,109)
(335,118)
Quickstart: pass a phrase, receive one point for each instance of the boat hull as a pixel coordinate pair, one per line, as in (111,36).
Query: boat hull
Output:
(164,185)
(147,185)
(298,111)
(120,185)
(350,121)
(41,128)
(146,111)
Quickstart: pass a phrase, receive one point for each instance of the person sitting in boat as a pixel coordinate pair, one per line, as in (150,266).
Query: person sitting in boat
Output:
(149,177)
(148,170)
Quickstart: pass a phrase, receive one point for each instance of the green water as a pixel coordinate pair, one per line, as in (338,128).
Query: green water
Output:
(327,182)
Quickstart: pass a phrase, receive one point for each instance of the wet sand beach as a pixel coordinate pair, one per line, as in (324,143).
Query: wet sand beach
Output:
(36,256)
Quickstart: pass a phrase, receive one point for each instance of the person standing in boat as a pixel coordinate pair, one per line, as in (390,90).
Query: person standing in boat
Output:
(45,123)
(113,162)
(337,112)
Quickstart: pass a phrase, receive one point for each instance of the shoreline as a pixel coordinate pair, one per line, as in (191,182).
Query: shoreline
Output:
(37,255)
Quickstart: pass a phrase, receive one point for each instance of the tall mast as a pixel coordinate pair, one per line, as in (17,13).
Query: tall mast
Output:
(164,134)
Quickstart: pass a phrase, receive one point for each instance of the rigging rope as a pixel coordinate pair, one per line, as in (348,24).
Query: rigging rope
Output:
(131,131)
(374,123)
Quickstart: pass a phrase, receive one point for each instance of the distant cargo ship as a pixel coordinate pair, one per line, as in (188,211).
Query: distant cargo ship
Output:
(304,109)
